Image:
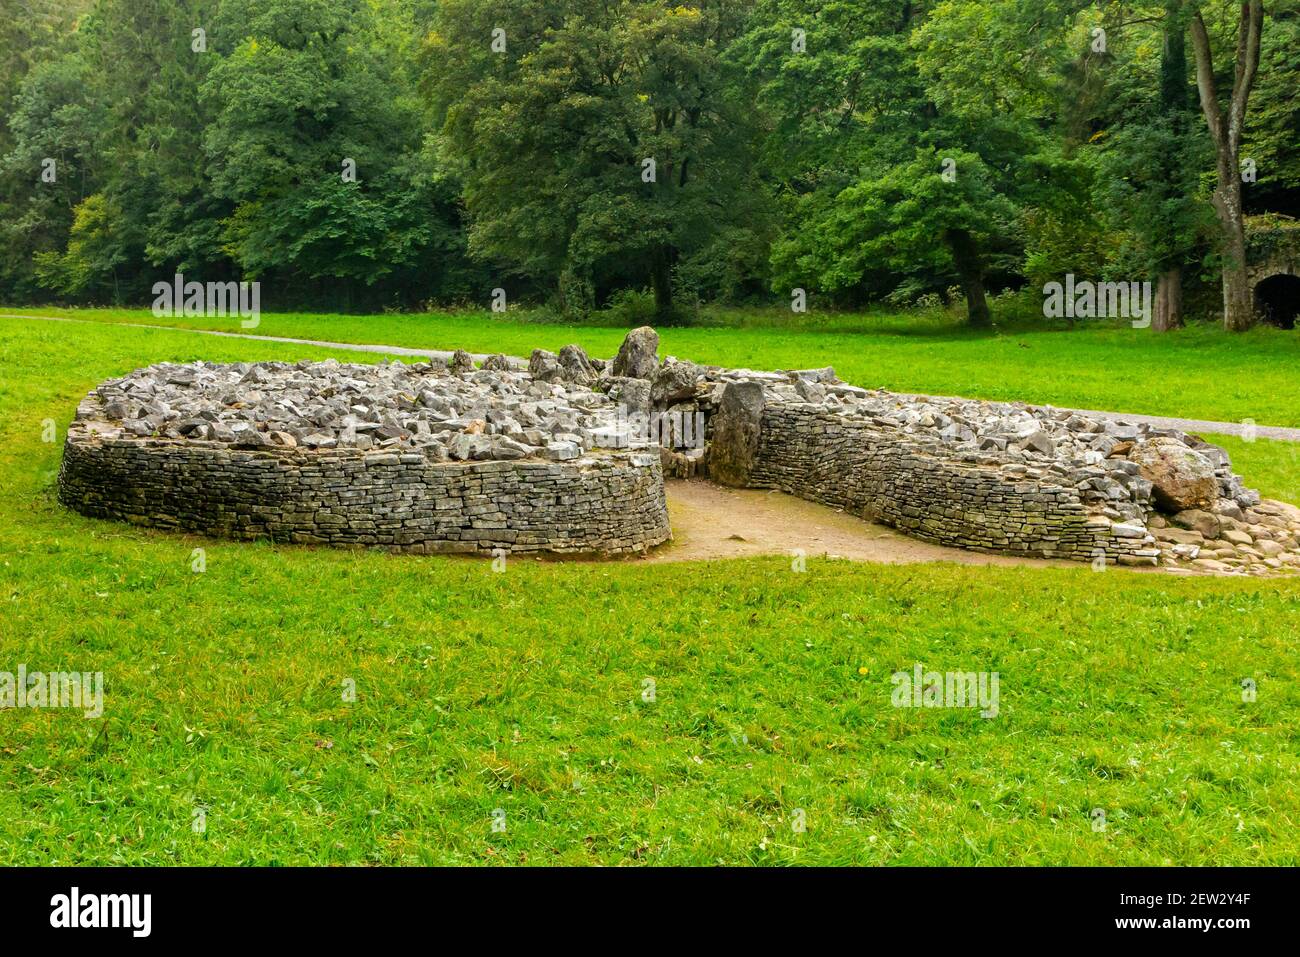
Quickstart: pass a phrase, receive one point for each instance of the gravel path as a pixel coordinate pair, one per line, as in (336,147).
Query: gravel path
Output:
(1239,429)
(347,346)
(711,522)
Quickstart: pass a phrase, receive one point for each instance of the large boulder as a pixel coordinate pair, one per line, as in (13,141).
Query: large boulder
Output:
(545,366)
(576,366)
(638,356)
(735,430)
(1181,478)
(675,381)
(632,394)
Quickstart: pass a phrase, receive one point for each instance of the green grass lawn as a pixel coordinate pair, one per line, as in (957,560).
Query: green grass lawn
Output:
(1199,372)
(522,691)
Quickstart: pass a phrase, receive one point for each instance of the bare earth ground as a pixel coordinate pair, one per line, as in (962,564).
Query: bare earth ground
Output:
(711,522)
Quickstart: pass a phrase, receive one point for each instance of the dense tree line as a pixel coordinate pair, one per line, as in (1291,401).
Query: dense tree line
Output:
(361,154)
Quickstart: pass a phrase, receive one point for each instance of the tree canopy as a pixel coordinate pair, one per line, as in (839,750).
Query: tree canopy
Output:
(364,154)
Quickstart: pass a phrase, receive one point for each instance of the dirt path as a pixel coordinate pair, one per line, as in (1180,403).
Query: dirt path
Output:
(711,522)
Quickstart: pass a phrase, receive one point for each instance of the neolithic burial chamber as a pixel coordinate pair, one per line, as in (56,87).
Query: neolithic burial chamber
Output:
(569,456)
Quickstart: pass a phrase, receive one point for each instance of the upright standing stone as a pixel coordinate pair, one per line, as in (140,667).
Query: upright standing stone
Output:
(461,361)
(576,366)
(638,356)
(544,366)
(736,427)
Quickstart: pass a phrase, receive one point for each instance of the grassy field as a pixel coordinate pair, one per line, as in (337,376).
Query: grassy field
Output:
(1198,372)
(522,691)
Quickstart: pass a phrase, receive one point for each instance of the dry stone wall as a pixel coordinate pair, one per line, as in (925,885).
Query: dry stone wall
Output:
(426,457)
(925,491)
(601,504)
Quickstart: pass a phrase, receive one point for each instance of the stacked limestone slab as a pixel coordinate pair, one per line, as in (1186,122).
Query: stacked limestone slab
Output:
(603,505)
(925,491)
(414,460)
(988,476)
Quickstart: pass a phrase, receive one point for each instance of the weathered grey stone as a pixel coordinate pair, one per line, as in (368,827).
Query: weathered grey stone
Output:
(575,366)
(503,447)
(545,366)
(811,390)
(638,356)
(1229,508)
(561,451)
(250,438)
(823,376)
(1205,523)
(632,394)
(1180,536)
(1039,441)
(1120,530)
(736,431)
(1181,478)
(675,381)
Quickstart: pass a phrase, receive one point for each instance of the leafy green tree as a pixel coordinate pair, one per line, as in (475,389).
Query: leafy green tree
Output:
(1154,155)
(52,166)
(94,255)
(1273,124)
(315,143)
(821,70)
(919,125)
(359,153)
(150,58)
(594,138)
(42,116)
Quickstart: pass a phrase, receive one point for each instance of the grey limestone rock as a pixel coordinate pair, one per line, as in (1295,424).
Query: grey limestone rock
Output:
(638,356)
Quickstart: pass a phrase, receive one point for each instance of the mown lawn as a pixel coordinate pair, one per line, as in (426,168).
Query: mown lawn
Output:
(522,691)
(1199,372)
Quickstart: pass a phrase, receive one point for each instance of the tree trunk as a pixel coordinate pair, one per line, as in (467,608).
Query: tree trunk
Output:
(1169,300)
(1225,132)
(1237,312)
(661,278)
(966,257)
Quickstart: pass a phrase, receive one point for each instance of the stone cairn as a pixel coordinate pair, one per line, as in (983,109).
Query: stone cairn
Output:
(989,476)
(430,457)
